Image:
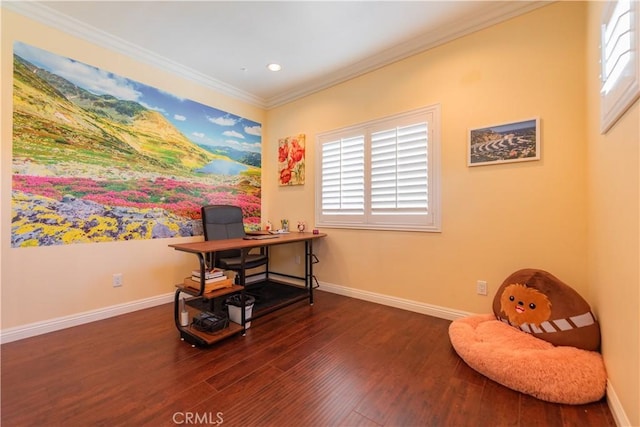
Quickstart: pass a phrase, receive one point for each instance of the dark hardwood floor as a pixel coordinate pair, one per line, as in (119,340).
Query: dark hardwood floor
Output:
(341,362)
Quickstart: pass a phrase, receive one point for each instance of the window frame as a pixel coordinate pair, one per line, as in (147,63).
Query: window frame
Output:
(617,97)
(427,222)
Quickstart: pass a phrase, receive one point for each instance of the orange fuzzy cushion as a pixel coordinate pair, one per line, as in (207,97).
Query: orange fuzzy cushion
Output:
(524,363)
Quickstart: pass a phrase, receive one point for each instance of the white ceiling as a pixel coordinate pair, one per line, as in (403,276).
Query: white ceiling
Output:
(226,45)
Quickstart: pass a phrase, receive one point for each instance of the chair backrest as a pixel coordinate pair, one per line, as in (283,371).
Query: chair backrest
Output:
(222,222)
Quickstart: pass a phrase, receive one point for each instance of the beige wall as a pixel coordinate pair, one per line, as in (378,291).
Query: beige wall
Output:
(43,283)
(495,219)
(613,163)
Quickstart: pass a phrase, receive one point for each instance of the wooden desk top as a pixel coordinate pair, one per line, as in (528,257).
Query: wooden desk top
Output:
(222,245)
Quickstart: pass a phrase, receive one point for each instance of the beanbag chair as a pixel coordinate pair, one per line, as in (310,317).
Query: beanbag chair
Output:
(542,340)
(527,364)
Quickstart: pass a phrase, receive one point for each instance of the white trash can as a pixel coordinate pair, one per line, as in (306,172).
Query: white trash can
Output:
(235,313)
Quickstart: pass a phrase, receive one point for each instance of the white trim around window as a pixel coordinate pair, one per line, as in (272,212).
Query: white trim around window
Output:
(383,174)
(619,60)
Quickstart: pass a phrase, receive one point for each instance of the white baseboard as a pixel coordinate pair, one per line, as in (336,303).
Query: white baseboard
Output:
(405,304)
(43,327)
(619,416)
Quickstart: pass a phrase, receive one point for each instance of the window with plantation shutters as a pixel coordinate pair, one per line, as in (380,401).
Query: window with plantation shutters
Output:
(383,174)
(620,60)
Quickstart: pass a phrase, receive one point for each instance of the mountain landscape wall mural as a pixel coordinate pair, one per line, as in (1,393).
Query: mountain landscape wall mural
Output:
(98,157)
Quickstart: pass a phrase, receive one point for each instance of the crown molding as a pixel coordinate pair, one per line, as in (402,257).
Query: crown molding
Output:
(76,28)
(496,13)
(491,16)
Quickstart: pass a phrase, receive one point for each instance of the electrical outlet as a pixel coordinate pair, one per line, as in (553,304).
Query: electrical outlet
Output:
(117,280)
(481,287)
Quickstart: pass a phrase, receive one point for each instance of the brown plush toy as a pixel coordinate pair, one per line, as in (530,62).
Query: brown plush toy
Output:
(539,303)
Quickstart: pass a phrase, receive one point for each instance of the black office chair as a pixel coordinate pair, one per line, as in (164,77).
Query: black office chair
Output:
(225,222)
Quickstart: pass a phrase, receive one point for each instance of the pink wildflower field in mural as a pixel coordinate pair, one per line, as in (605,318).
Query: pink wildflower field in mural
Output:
(138,163)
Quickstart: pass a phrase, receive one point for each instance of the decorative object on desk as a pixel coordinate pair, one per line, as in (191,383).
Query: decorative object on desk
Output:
(285,225)
(511,142)
(301,226)
(316,231)
(291,164)
(268,226)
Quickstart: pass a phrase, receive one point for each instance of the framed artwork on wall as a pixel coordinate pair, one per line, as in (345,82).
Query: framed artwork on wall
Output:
(504,143)
(291,163)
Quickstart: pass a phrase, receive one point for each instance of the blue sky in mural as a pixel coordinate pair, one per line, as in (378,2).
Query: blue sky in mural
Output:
(200,123)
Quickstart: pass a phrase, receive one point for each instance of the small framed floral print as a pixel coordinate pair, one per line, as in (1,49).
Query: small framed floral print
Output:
(291,151)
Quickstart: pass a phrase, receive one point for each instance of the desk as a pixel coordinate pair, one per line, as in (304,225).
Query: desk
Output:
(203,249)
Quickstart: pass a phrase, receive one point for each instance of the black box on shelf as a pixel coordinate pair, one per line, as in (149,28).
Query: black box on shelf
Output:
(210,322)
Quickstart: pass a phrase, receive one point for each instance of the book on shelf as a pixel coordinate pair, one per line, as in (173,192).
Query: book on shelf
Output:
(211,280)
(209,274)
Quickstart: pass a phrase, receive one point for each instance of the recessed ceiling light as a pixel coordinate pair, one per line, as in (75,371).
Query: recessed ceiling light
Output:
(274,67)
